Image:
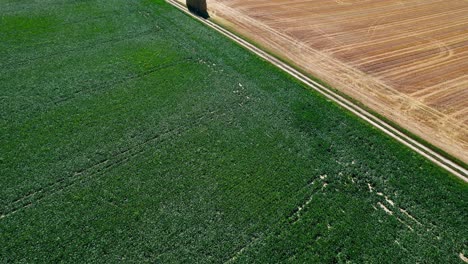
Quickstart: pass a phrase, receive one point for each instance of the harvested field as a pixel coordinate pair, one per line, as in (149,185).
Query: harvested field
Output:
(407,60)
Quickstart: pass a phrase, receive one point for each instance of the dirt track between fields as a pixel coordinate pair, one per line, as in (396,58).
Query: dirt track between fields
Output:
(406,60)
(375,121)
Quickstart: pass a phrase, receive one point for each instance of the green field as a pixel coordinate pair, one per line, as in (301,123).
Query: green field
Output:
(130,132)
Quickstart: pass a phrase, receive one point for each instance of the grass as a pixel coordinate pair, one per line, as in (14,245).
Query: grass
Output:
(130,132)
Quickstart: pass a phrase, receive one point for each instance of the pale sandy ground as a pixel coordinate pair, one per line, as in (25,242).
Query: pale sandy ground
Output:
(407,60)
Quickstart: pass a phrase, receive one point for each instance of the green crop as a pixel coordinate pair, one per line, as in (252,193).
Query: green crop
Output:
(129,132)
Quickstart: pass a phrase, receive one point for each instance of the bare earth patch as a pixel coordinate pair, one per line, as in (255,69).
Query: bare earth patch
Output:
(462,257)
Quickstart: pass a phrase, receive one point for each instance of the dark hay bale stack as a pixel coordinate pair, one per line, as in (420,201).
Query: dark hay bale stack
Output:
(198,7)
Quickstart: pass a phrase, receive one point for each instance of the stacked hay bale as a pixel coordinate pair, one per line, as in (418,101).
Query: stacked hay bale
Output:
(198,7)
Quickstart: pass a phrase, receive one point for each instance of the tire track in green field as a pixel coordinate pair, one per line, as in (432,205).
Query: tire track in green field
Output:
(133,77)
(123,80)
(415,227)
(115,159)
(383,205)
(93,87)
(97,169)
(310,189)
(380,202)
(292,218)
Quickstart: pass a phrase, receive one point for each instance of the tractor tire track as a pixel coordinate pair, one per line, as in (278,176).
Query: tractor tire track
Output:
(104,85)
(99,168)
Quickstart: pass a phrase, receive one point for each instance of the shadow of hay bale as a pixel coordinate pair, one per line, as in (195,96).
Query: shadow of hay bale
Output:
(198,7)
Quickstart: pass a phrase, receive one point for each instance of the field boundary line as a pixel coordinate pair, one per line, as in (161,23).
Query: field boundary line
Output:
(360,112)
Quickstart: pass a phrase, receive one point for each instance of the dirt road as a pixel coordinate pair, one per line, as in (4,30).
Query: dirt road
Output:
(377,122)
(407,60)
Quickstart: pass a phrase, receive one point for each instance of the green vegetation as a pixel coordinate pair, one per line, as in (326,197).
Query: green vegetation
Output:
(130,132)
